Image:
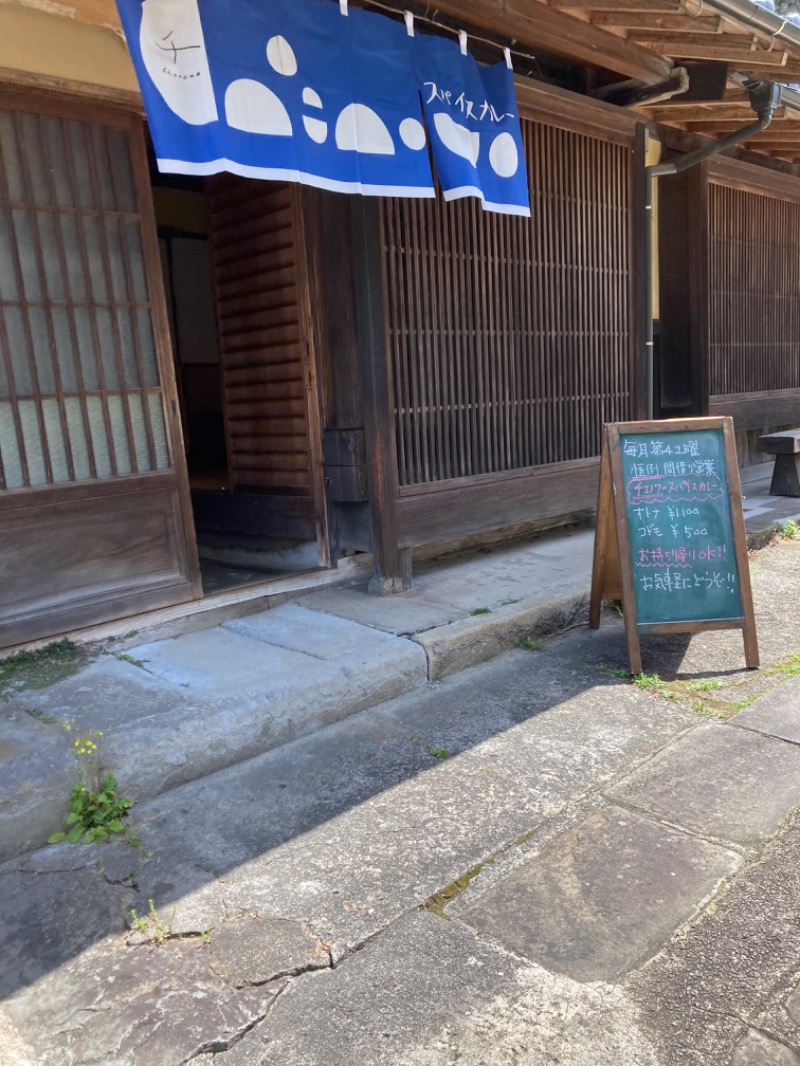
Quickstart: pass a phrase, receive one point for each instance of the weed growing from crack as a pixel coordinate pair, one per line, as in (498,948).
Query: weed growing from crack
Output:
(650,682)
(125,658)
(151,925)
(96,811)
(790,667)
(529,644)
(442,753)
(41,716)
(480,610)
(789,530)
(614,671)
(39,669)
(705,684)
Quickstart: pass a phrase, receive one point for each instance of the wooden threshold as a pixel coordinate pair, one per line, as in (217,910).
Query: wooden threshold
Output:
(219,607)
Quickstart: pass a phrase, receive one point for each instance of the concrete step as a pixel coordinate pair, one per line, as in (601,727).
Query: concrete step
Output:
(180,709)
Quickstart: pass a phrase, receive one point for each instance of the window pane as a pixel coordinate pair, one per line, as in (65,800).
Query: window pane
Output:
(10,168)
(51,256)
(66,356)
(51,413)
(94,254)
(76,135)
(148,348)
(123,171)
(102,168)
(97,429)
(72,253)
(8,275)
(86,352)
(119,431)
(26,250)
(18,349)
(32,440)
(31,146)
(128,348)
(136,261)
(136,407)
(108,351)
(115,255)
(43,357)
(9,448)
(77,439)
(159,430)
(57,160)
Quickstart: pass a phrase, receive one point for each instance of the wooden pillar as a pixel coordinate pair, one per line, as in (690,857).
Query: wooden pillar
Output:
(642,276)
(684,292)
(392,565)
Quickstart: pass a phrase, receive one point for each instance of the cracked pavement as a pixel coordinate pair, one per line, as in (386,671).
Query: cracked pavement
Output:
(597,874)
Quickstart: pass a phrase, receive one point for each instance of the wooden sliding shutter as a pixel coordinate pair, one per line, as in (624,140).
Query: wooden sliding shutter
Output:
(511,339)
(754,302)
(269,381)
(94,517)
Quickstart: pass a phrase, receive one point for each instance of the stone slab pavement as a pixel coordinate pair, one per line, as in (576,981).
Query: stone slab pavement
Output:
(175,710)
(532,861)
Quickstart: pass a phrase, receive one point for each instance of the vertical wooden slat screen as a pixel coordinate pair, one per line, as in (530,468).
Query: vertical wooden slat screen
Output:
(80,397)
(257,276)
(511,339)
(754,292)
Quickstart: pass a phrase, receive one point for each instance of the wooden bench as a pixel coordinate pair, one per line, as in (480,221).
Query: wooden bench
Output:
(785,447)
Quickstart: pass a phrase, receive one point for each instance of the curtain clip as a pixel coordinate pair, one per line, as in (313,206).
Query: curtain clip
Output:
(462,40)
(507,54)
(409,23)
(343,6)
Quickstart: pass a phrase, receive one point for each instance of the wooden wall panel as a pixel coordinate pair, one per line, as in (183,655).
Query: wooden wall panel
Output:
(457,511)
(259,274)
(754,296)
(511,340)
(119,548)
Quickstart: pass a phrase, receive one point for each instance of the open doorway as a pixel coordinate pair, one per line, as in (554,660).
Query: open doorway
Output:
(236,290)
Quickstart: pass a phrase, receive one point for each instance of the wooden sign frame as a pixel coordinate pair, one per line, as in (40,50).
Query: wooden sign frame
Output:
(612,572)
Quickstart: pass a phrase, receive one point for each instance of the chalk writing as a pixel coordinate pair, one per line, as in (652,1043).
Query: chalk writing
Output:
(679,524)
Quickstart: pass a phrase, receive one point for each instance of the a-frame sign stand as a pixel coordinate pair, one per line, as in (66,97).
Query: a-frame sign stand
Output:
(639,500)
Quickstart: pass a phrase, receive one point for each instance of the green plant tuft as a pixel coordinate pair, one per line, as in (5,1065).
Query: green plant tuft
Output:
(39,669)
(529,644)
(705,684)
(96,812)
(151,925)
(615,671)
(480,610)
(649,682)
(790,530)
(94,816)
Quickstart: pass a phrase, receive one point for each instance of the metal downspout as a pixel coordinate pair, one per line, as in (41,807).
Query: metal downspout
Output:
(764,99)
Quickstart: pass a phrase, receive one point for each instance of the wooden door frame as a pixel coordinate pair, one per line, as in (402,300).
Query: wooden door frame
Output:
(132,123)
(313,380)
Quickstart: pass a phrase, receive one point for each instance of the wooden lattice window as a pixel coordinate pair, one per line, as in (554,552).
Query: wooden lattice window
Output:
(79,385)
(511,339)
(754,292)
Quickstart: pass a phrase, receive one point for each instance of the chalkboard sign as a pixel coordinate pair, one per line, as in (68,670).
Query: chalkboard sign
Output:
(670,532)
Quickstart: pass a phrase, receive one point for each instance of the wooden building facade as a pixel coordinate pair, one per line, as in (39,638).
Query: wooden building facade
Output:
(386,375)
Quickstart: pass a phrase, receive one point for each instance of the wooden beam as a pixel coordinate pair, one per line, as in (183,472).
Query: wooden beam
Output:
(535,25)
(673,6)
(656,21)
(773,141)
(783,129)
(735,50)
(790,71)
(695,112)
(738,41)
